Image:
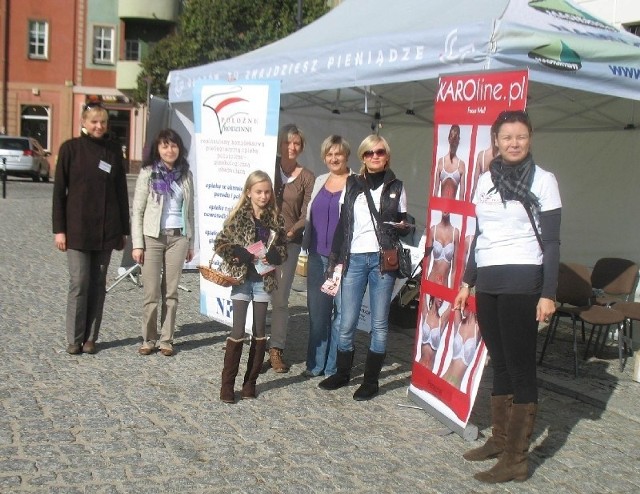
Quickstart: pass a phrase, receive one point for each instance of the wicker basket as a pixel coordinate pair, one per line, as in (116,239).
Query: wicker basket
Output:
(216,276)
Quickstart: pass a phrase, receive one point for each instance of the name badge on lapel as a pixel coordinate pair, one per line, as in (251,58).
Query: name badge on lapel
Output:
(104,166)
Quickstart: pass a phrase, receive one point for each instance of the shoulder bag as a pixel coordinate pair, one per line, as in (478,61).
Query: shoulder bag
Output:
(396,258)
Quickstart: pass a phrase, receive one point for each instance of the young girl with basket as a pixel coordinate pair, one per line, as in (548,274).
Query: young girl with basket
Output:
(254,218)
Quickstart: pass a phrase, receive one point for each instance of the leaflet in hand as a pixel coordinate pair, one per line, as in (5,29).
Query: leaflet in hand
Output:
(259,251)
(331,286)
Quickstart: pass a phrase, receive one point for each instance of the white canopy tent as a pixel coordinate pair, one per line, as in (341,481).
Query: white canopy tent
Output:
(374,64)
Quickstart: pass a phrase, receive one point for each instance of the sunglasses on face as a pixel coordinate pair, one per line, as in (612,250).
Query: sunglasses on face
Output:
(378,152)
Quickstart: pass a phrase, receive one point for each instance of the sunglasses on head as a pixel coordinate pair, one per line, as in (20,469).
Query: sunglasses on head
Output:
(90,106)
(508,114)
(378,152)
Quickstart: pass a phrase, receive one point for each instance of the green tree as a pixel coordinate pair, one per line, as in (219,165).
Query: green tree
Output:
(211,30)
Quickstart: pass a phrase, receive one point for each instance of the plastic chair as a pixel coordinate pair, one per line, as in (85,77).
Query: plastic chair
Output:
(631,311)
(614,280)
(574,289)
(573,294)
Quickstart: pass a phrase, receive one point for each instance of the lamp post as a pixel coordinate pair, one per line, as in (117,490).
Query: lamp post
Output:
(148,79)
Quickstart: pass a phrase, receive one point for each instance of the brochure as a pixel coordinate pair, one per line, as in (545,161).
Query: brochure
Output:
(259,251)
(331,285)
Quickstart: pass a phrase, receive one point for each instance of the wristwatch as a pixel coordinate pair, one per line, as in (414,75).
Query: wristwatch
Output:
(465,285)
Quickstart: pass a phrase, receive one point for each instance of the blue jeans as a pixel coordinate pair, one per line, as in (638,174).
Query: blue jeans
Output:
(365,269)
(250,290)
(324,319)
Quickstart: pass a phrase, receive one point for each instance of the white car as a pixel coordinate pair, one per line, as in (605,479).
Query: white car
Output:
(24,156)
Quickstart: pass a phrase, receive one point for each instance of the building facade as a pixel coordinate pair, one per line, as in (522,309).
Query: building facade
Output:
(622,13)
(59,55)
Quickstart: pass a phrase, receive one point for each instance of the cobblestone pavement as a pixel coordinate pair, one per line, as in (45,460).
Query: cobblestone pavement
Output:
(117,422)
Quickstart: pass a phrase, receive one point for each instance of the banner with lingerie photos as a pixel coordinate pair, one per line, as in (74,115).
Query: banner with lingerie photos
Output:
(449,355)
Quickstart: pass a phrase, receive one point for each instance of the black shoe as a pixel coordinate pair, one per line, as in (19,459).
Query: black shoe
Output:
(372,367)
(366,391)
(334,382)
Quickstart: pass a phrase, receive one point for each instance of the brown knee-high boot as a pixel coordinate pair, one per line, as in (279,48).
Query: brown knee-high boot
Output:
(232,356)
(254,365)
(514,461)
(500,410)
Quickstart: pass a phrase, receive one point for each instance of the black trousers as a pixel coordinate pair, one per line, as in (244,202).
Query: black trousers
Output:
(509,329)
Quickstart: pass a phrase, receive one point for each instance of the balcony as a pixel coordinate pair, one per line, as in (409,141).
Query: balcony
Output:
(126,74)
(161,10)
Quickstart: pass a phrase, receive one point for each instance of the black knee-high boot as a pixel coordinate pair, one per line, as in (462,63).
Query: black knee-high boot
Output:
(372,367)
(344,362)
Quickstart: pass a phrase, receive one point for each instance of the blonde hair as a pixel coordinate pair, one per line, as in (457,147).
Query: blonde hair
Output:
(287,132)
(367,144)
(94,109)
(254,178)
(335,140)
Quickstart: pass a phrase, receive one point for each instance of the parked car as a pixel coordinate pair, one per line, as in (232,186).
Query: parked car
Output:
(24,157)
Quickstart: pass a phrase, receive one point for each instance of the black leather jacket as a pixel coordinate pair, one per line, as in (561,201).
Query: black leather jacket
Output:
(389,200)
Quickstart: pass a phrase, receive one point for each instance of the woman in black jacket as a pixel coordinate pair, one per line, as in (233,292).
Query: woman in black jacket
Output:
(357,243)
(90,219)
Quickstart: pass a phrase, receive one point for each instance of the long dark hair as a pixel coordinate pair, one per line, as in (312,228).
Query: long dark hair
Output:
(164,136)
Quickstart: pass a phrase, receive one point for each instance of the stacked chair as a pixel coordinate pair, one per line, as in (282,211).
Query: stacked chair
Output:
(614,281)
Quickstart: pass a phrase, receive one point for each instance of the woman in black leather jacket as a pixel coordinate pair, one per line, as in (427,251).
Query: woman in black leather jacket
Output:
(356,245)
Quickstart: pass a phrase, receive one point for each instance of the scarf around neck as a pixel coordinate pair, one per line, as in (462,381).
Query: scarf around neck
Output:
(162,180)
(513,182)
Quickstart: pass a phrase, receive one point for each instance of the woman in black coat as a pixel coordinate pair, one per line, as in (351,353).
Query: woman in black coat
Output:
(90,219)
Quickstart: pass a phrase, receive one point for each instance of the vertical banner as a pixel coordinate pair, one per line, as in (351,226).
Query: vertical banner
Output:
(449,353)
(236,126)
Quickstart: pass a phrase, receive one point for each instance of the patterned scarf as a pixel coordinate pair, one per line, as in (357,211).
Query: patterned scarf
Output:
(513,182)
(162,180)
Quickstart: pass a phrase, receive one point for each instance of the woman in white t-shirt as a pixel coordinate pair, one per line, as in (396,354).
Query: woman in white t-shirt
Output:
(513,264)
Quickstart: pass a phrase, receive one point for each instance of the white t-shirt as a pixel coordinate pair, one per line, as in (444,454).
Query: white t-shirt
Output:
(172,209)
(364,236)
(506,234)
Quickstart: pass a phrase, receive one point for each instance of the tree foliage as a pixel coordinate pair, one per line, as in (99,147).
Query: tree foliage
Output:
(211,30)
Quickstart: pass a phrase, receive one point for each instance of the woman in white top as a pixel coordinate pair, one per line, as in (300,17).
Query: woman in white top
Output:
(373,215)
(513,264)
(162,234)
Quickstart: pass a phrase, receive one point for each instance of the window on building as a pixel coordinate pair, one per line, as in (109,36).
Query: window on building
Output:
(132,49)
(35,121)
(103,37)
(38,39)
(633,29)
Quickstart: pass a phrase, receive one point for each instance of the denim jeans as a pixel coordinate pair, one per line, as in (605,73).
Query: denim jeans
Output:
(324,319)
(365,269)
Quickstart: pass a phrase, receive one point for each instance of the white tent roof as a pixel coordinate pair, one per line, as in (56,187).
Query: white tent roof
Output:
(376,56)
(366,47)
